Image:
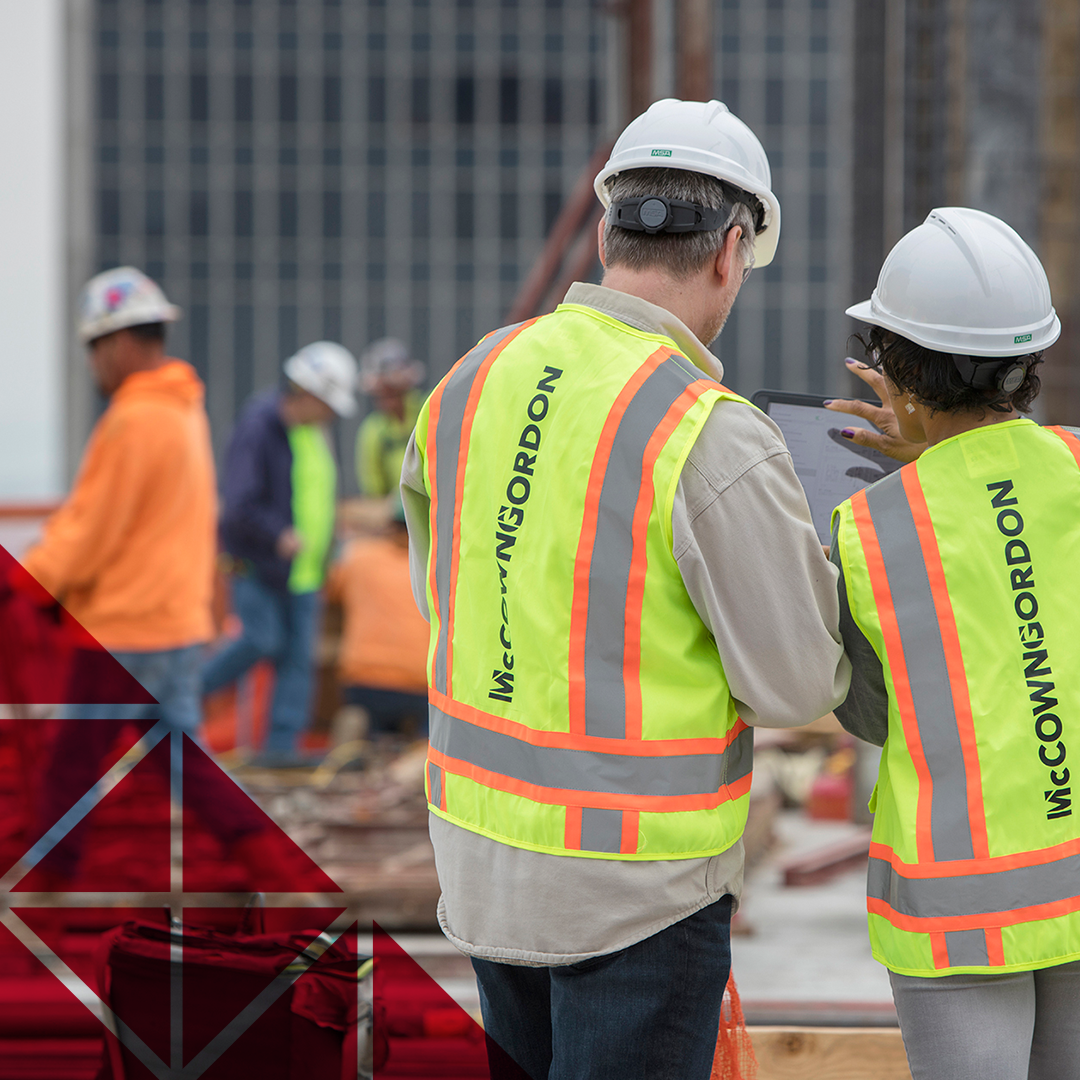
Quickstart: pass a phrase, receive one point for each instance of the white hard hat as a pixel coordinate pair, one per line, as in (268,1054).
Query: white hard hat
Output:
(389,359)
(328,371)
(964,282)
(120,298)
(702,137)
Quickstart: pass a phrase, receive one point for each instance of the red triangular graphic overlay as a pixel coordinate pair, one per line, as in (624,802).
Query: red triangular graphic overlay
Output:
(122,844)
(271,860)
(421,1030)
(46,766)
(46,657)
(58,929)
(224,974)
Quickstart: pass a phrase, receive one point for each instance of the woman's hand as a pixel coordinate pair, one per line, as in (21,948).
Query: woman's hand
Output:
(888,439)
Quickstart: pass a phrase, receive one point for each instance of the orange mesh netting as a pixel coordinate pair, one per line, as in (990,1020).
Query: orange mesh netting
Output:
(734,1058)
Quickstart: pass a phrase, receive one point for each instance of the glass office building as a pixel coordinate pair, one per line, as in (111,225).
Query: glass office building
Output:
(299,169)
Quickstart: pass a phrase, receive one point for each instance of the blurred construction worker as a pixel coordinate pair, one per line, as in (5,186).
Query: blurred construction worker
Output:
(279,489)
(621,574)
(130,554)
(384,642)
(389,375)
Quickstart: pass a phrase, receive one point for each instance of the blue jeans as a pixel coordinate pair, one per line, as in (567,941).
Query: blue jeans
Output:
(279,627)
(86,733)
(648,1012)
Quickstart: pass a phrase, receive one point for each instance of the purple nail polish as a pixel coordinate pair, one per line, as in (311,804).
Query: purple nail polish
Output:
(848,433)
(829,402)
(850,360)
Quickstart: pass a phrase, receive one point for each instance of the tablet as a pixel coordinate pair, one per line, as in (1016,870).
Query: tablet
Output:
(829,467)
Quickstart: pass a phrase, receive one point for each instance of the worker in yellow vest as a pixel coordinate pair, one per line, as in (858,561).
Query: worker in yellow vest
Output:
(959,612)
(622,577)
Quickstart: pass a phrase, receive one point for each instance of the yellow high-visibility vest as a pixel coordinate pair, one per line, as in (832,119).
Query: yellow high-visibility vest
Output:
(578,704)
(961,570)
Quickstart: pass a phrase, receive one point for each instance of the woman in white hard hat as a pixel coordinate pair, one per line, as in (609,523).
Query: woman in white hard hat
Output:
(959,613)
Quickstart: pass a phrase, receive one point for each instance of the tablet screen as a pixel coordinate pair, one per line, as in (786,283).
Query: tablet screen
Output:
(829,467)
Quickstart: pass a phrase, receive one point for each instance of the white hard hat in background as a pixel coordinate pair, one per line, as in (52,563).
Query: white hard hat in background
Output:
(964,282)
(702,137)
(119,298)
(328,371)
(389,359)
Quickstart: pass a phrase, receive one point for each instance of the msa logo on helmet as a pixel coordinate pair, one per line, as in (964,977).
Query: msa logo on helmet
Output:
(1021,338)
(116,294)
(661,153)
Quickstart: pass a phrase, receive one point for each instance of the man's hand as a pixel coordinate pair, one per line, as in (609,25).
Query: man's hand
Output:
(289,543)
(888,439)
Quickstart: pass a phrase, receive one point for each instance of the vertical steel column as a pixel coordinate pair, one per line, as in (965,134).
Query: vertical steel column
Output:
(693,63)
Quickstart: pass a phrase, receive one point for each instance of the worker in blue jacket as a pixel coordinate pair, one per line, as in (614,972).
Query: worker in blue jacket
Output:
(279,495)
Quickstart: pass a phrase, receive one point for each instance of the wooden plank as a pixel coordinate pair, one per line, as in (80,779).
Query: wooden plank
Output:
(790,1053)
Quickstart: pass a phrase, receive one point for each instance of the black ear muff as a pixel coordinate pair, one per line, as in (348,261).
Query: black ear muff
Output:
(1009,377)
(989,374)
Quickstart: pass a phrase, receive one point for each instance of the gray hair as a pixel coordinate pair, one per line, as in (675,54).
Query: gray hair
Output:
(681,254)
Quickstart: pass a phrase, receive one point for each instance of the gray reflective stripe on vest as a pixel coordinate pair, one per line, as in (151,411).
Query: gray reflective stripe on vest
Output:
(447,436)
(590,770)
(434,784)
(973,894)
(967,948)
(609,569)
(924,655)
(601,829)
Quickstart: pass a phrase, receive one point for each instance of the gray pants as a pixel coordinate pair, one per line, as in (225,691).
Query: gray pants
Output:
(1021,1026)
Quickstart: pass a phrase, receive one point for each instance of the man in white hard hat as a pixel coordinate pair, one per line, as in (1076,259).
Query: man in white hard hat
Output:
(621,575)
(389,376)
(130,555)
(277,523)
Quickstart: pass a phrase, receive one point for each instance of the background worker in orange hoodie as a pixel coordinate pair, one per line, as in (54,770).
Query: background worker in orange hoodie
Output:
(130,553)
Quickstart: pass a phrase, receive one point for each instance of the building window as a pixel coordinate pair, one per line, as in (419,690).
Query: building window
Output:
(200,98)
(331,213)
(244,213)
(155,213)
(376,214)
(109,96)
(288,213)
(774,101)
(552,206)
(243,99)
(110,213)
(552,101)
(376,99)
(331,99)
(508,215)
(155,97)
(421,99)
(287,103)
(818,111)
(508,99)
(199,213)
(464,99)
(463,215)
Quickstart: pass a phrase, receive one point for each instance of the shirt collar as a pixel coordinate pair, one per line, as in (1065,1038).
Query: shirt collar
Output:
(651,318)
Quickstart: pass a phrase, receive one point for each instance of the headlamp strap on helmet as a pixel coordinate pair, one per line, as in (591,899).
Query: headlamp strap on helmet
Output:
(656,214)
(990,373)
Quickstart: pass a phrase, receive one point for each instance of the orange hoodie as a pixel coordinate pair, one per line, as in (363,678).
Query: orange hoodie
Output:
(384,642)
(131,552)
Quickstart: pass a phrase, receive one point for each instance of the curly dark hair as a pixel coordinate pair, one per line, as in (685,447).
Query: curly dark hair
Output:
(933,380)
